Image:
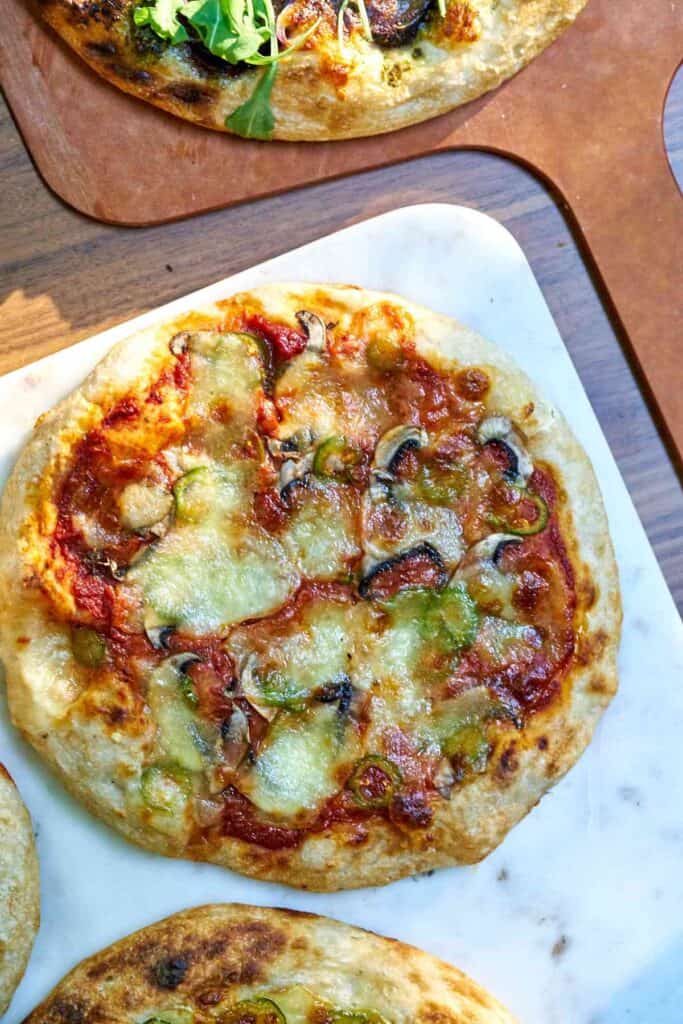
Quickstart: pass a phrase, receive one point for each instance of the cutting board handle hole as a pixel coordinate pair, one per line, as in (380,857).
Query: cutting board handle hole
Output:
(673,128)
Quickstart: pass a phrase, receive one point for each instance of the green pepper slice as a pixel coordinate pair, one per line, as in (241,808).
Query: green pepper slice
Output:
(186,687)
(458,614)
(253,1011)
(276,690)
(356,1017)
(384,354)
(335,457)
(179,1016)
(468,742)
(88,646)
(520,525)
(194,494)
(440,485)
(374,781)
(165,788)
(447,618)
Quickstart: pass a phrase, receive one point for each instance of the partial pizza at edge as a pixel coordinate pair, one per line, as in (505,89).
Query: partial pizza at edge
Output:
(312,584)
(235,964)
(19,889)
(367,68)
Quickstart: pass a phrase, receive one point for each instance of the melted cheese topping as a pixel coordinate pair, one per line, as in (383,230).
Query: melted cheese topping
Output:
(302,762)
(204,578)
(321,538)
(257,568)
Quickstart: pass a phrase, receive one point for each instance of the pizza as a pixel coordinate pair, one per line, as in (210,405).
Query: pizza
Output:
(19,889)
(310,583)
(236,964)
(308,69)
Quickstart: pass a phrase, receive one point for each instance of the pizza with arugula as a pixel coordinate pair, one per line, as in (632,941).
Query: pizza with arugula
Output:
(308,69)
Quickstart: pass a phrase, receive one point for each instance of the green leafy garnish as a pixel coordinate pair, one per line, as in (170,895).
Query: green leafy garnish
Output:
(233,30)
(255,119)
(236,31)
(162,18)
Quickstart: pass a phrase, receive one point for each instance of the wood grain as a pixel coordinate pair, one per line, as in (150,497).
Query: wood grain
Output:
(586,114)
(63,277)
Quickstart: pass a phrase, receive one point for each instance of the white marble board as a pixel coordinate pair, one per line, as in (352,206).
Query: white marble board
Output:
(578,917)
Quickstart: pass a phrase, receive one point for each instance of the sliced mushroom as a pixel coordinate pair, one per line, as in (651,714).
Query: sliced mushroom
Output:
(235,733)
(501,430)
(294,472)
(145,506)
(390,446)
(480,704)
(340,691)
(181,662)
(100,562)
(157,632)
(293,447)
(370,585)
(179,343)
(250,689)
(489,549)
(315,330)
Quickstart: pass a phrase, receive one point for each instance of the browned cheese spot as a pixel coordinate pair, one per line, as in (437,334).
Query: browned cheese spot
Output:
(431,1013)
(188,93)
(597,685)
(101,49)
(591,648)
(136,75)
(508,764)
(587,593)
(62,1011)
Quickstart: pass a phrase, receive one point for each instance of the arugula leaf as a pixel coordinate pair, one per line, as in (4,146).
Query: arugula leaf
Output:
(226,28)
(235,31)
(254,119)
(162,17)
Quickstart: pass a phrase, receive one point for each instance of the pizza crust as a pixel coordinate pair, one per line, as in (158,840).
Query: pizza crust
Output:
(375,91)
(235,952)
(480,813)
(19,889)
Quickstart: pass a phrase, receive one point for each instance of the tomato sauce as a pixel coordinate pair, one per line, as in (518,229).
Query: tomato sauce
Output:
(285,341)
(418,394)
(241,821)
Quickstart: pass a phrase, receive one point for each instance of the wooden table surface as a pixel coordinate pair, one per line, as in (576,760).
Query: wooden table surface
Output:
(63,277)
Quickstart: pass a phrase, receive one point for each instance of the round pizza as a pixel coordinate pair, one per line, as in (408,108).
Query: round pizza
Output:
(19,889)
(311,584)
(308,69)
(236,964)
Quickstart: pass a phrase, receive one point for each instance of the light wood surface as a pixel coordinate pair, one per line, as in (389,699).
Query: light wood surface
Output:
(64,277)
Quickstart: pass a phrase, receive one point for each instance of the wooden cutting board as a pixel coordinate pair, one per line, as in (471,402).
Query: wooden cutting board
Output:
(586,116)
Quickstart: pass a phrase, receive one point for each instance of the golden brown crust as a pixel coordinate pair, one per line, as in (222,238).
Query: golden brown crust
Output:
(206,958)
(95,762)
(320,92)
(19,889)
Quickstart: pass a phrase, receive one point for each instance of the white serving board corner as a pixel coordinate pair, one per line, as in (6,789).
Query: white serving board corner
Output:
(578,917)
